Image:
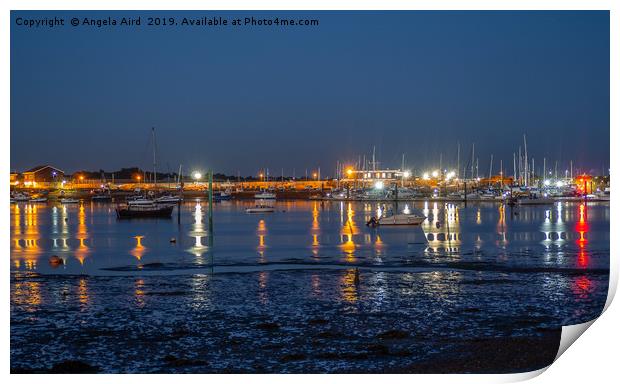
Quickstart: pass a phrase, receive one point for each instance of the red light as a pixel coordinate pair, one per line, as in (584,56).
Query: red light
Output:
(582,287)
(582,226)
(583,260)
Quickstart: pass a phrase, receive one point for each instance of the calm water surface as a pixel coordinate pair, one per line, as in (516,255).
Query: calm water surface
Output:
(92,241)
(277,292)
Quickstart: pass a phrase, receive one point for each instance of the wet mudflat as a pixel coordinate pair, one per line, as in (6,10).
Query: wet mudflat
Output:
(280,294)
(298,321)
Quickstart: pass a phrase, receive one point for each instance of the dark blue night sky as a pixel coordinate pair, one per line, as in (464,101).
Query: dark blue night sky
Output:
(239,99)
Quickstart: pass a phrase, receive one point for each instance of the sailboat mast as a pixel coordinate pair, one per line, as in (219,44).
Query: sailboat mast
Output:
(501,173)
(514,167)
(458,159)
(525,162)
(473,158)
(154,160)
(440,161)
(373,159)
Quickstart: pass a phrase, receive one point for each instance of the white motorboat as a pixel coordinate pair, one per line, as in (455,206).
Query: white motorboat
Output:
(222,195)
(401,219)
(401,194)
(168,199)
(69,200)
(488,195)
(265,196)
(260,209)
(20,197)
(471,196)
(140,201)
(39,200)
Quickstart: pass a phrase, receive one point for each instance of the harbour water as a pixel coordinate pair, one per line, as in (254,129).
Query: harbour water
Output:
(309,288)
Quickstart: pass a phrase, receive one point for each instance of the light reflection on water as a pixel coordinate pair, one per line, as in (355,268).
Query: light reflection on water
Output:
(88,239)
(466,273)
(565,235)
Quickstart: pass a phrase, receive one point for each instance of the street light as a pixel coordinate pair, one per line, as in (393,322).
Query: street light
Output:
(197,175)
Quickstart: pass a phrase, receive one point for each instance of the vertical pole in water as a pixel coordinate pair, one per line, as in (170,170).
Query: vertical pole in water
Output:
(210,207)
(179,212)
(180,183)
(447,219)
(465,191)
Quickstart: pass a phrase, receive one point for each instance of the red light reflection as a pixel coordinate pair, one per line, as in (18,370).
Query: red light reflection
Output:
(582,287)
(582,227)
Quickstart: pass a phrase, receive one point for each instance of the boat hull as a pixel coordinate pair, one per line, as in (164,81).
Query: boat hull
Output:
(401,220)
(132,213)
(259,210)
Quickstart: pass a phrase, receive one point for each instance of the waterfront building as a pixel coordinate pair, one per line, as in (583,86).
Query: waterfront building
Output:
(42,175)
(380,175)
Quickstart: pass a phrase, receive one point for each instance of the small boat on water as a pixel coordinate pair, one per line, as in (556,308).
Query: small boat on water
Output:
(398,219)
(137,201)
(260,208)
(20,197)
(168,199)
(265,196)
(143,210)
(222,196)
(488,195)
(101,198)
(69,200)
(38,200)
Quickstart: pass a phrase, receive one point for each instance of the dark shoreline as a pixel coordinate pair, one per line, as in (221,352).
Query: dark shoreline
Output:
(483,356)
(257,323)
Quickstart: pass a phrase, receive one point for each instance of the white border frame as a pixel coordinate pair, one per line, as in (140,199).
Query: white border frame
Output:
(598,350)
